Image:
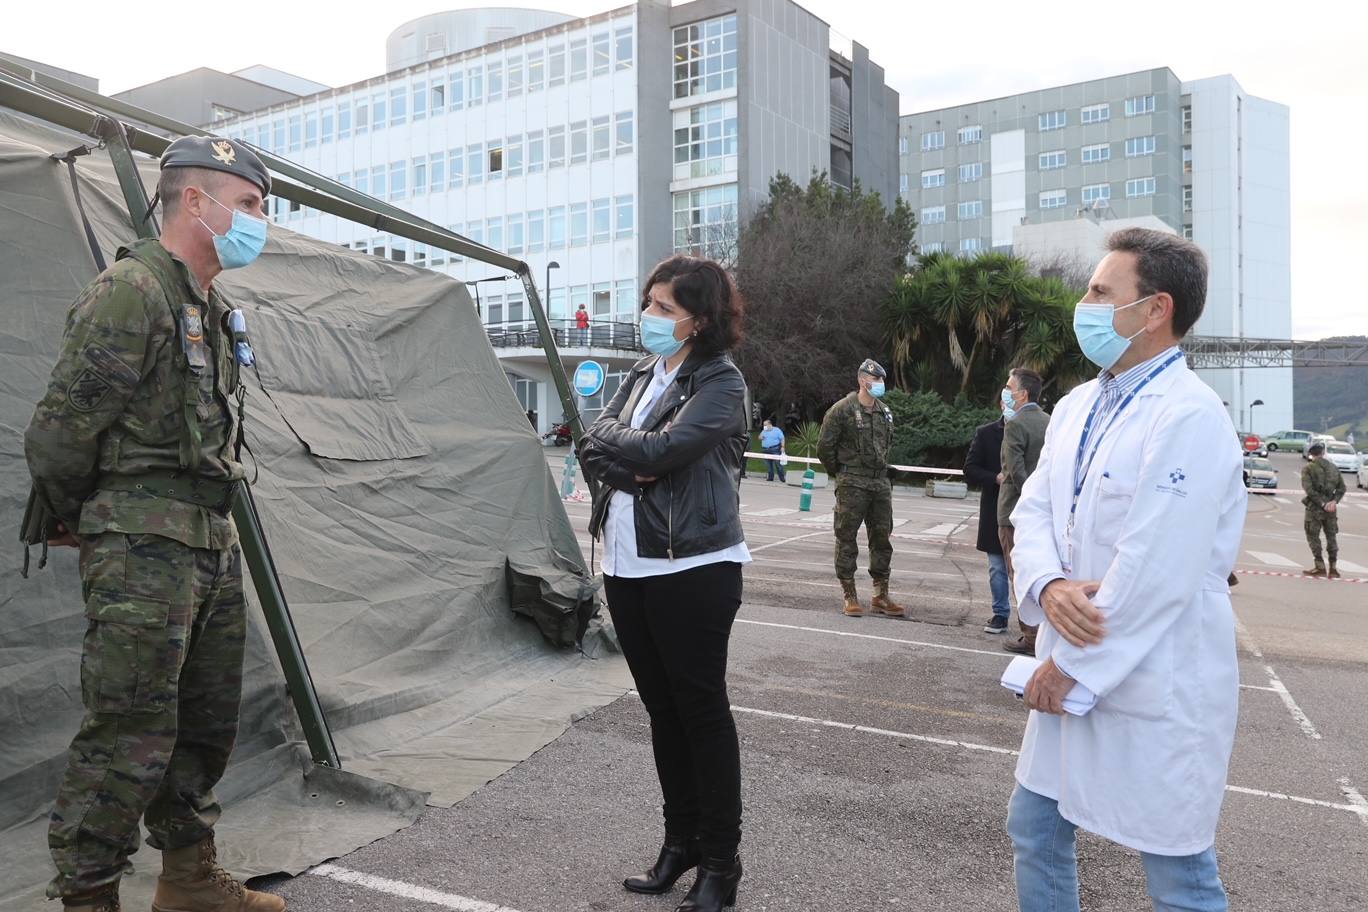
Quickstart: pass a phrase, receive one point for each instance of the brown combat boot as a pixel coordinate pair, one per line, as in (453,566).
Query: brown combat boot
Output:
(852,607)
(105,899)
(192,881)
(1318,570)
(1334,571)
(882,604)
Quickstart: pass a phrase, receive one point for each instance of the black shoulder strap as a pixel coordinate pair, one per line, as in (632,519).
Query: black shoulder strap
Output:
(70,159)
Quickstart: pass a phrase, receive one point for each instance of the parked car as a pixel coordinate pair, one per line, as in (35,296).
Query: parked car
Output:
(1323,439)
(1259,473)
(1258,449)
(1292,441)
(1344,457)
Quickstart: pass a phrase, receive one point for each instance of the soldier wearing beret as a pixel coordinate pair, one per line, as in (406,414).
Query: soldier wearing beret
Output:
(857,433)
(132,450)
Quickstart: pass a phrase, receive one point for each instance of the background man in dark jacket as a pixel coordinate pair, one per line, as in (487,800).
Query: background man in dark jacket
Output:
(1023,438)
(981,468)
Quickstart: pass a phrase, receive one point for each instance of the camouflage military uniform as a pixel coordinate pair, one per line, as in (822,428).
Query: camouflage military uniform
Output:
(853,448)
(161,663)
(1322,482)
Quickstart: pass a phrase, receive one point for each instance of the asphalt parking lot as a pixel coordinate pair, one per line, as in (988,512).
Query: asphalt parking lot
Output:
(878,754)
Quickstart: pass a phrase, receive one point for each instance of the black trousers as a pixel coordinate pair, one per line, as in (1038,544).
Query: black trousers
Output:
(674,631)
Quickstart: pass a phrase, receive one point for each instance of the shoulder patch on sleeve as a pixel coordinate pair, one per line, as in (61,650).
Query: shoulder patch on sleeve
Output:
(107,364)
(87,391)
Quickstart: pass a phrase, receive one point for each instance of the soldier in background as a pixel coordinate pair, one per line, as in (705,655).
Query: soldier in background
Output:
(856,436)
(1324,487)
(133,451)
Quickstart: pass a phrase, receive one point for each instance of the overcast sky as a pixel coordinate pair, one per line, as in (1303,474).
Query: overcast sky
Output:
(935,55)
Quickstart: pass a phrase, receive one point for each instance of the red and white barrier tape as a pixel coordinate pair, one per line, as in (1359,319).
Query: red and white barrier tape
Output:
(1302,576)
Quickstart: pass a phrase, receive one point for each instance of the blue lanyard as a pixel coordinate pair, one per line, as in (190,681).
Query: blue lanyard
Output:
(1081,468)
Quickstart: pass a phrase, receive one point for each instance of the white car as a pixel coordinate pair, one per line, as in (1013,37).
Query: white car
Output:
(1326,439)
(1344,457)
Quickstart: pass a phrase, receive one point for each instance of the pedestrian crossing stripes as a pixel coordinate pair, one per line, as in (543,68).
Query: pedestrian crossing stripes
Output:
(1273,560)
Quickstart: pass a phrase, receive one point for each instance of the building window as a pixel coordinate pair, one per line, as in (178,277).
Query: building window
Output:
(398,107)
(475,163)
(705,57)
(398,180)
(969,135)
(1139,145)
(931,141)
(932,179)
(456,168)
(601,136)
(932,247)
(603,53)
(1187,232)
(437,99)
(515,76)
(970,172)
(902,145)
(933,215)
(515,233)
(1187,159)
(626,217)
(555,228)
(536,153)
(456,91)
(579,224)
(555,66)
(362,117)
(971,245)
(971,209)
(1096,153)
(496,161)
(420,99)
(1096,193)
(579,142)
(1049,161)
(1187,118)
(475,86)
(705,140)
(1095,113)
(1140,104)
(625,297)
(1140,186)
(902,183)
(579,59)
(1052,120)
(705,221)
(513,156)
(437,171)
(361,182)
(536,71)
(377,180)
(420,176)
(310,131)
(1187,199)
(1054,199)
(296,133)
(601,220)
(494,82)
(536,231)
(494,235)
(378,118)
(623,43)
(624,133)
(555,144)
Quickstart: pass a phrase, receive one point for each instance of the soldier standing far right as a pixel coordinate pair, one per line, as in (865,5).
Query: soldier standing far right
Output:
(1324,487)
(857,434)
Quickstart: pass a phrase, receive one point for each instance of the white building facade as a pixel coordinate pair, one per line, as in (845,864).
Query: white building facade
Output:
(591,148)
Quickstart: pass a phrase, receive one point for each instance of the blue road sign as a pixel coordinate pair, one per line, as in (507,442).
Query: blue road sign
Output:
(588,378)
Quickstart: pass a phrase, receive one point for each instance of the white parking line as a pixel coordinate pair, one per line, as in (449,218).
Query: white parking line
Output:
(942,529)
(407,890)
(1275,683)
(777,511)
(1355,798)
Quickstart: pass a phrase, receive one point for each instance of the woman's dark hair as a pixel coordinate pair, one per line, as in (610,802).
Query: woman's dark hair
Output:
(706,290)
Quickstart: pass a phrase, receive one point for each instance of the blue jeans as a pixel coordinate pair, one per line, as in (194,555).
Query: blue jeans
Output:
(772,465)
(997,582)
(1047,868)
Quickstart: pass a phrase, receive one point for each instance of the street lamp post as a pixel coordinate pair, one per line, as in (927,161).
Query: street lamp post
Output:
(1251,413)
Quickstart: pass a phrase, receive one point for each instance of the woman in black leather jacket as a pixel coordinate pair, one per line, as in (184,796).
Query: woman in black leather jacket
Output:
(667,449)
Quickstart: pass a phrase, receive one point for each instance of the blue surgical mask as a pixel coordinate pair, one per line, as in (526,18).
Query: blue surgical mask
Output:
(876,389)
(658,335)
(1008,404)
(1097,336)
(243,242)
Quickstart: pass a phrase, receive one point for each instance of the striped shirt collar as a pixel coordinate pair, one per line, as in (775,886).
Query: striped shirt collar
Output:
(1116,384)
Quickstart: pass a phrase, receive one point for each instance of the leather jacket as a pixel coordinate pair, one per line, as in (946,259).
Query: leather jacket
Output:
(691,444)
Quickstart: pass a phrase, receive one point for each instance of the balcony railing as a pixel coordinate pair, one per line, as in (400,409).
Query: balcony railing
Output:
(618,336)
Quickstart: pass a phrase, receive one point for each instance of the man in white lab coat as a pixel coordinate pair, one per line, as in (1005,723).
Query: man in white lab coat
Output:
(1125,536)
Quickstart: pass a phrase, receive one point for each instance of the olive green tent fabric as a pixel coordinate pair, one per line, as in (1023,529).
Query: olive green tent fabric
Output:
(433,576)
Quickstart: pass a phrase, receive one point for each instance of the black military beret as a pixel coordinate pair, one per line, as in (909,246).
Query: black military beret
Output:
(873,368)
(218,154)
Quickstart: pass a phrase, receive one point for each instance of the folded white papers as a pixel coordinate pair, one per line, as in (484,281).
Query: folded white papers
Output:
(1077,702)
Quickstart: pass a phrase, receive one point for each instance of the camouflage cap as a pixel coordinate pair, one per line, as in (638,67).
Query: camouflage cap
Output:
(218,154)
(873,368)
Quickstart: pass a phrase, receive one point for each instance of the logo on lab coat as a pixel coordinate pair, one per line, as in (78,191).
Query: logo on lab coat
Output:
(1176,477)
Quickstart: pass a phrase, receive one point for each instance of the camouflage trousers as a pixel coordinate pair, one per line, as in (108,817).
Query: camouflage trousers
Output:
(161,680)
(872,507)
(1316,520)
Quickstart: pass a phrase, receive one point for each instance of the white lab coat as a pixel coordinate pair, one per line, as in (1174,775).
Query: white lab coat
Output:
(1159,523)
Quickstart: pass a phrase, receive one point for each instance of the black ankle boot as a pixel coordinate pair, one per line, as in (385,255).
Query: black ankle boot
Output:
(715,886)
(676,857)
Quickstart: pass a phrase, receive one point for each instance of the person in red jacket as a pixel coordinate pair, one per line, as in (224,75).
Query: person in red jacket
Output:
(582,324)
